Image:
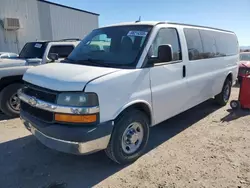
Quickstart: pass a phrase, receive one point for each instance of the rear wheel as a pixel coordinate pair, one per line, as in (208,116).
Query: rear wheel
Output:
(129,137)
(9,101)
(223,97)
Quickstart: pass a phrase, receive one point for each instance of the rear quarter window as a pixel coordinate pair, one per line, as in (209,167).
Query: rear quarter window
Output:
(203,44)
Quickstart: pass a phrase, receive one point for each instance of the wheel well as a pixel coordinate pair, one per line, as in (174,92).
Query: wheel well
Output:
(230,77)
(10,80)
(138,106)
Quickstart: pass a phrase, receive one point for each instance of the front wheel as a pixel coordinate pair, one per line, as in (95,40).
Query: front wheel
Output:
(129,138)
(9,101)
(223,97)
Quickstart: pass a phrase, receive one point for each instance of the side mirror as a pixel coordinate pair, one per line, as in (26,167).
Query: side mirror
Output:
(53,57)
(165,53)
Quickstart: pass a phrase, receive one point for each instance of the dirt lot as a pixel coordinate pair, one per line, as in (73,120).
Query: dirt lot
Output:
(203,147)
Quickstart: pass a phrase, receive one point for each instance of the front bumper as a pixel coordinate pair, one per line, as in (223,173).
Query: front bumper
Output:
(72,139)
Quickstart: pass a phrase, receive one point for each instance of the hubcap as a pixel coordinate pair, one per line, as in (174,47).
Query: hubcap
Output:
(226,92)
(234,104)
(132,138)
(15,102)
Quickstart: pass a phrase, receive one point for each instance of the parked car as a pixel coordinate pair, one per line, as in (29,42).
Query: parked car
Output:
(8,55)
(108,98)
(32,54)
(244,67)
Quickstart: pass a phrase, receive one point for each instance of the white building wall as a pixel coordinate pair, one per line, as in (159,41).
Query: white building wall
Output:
(26,11)
(42,21)
(68,23)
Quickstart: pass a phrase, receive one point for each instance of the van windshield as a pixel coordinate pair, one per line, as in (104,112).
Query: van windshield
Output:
(118,46)
(33,50)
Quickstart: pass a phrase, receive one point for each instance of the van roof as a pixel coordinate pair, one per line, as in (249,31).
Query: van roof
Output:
(153,23)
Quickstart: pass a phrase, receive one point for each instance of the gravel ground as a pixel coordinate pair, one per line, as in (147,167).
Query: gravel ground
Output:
(206,146)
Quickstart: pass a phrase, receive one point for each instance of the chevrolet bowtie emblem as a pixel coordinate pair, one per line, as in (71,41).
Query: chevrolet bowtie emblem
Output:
(32,101)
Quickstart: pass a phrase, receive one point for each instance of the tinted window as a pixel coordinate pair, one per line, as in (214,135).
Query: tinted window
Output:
(33,50)
(209,44)
(62,51)
(167,36)
(226,43)
(194,44)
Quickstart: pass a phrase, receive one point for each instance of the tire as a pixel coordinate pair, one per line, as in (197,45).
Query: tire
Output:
(117,150)
(5,100)
(235,105)
(223,97)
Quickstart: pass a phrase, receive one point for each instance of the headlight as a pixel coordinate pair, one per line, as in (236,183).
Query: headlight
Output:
(77,99)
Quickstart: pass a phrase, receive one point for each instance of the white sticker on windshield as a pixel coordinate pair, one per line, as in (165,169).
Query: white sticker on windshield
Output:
(37,45)
(137,33)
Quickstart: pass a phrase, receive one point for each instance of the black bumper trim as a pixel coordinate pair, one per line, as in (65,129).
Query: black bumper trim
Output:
(73,133)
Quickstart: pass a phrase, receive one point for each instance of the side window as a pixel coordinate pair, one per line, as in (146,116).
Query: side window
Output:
(167,36)
(194,44)
(63,51)
(209,44)
(227,44)
(220,43)
(233,44)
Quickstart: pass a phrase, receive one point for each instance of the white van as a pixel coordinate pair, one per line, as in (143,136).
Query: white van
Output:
(123,79)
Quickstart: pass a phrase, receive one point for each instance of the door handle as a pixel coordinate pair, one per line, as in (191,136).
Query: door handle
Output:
(184,71)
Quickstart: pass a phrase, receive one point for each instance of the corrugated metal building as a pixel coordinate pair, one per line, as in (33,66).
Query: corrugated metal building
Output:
(41,20)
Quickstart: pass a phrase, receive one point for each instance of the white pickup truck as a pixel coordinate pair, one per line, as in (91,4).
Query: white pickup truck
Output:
(32,54)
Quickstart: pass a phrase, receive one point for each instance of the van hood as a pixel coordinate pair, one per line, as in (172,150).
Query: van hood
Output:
(65,77)
(5,63)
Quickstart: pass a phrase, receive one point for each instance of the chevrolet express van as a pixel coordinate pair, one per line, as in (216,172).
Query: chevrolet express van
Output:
(123,79)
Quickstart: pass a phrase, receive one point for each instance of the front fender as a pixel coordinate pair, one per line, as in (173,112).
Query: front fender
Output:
(119,90)
(133,103)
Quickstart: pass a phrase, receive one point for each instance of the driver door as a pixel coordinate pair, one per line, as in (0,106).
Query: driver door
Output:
(168,79)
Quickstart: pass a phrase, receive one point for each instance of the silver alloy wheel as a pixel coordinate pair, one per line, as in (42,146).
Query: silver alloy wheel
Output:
(15,102)
(132,138)
(226,92)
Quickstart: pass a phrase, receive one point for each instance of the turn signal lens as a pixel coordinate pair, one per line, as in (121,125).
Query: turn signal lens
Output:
(75,118)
